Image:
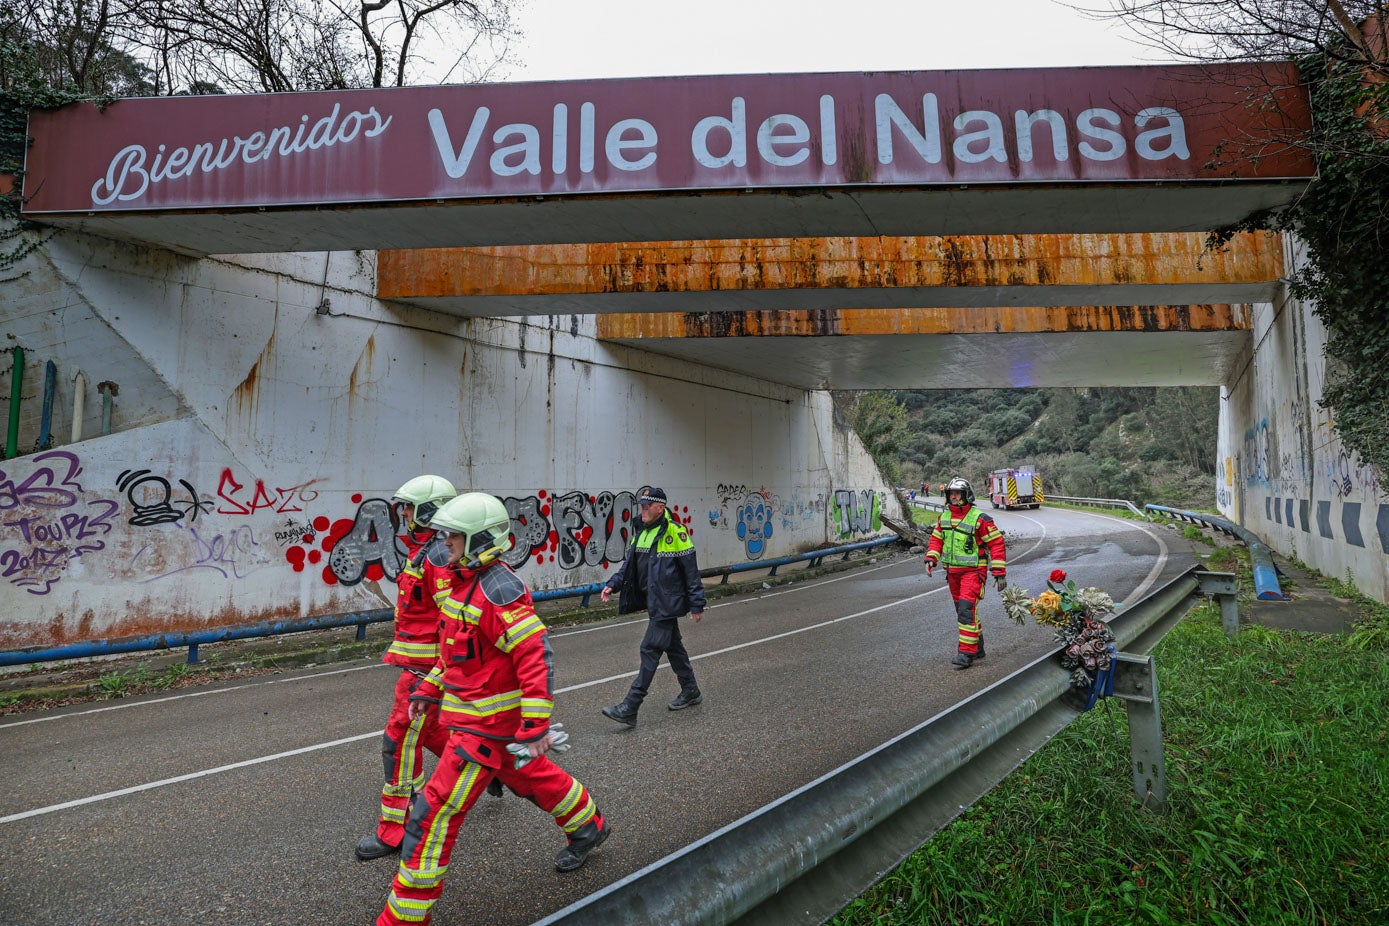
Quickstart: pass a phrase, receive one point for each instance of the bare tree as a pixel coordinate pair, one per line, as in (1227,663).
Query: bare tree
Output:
(141,47)
(1251,30)
(283,45)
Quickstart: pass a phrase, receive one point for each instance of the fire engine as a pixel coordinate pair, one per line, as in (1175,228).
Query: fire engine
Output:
(1015,488)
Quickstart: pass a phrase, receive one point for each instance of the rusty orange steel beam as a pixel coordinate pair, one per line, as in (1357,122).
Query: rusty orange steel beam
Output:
(1011,320)
(827,263)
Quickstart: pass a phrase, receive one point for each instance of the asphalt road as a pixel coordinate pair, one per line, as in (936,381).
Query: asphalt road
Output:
(240,803)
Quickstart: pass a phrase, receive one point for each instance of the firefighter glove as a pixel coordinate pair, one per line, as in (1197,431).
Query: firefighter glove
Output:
(929,566)
(559,742)
(1000,583)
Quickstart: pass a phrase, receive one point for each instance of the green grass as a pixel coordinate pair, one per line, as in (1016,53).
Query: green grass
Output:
(1277,754)
(927,516)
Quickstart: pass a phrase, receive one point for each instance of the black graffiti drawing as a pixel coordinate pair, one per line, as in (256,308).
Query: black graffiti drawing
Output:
(593,531)
(372,539)
(529,527)
(152,498)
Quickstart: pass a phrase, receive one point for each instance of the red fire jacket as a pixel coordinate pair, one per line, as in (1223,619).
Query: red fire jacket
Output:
(425,576)
(493,678)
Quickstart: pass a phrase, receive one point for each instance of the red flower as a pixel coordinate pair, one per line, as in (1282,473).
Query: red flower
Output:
(1058,576)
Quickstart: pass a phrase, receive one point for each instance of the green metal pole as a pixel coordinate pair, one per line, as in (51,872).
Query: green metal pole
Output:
(16,386)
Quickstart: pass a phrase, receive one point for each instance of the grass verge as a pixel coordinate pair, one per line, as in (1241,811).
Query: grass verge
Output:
(1277,754)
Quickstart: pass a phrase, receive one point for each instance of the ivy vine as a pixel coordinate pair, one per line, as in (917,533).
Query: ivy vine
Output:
(1343,219)
(23,90)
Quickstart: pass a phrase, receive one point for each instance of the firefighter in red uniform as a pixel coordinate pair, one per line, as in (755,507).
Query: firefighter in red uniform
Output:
(491,687)
(969,544)
(415,648)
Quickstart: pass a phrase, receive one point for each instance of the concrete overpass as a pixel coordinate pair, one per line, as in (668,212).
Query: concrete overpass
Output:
(884,313)
(1167,148)
(269,401)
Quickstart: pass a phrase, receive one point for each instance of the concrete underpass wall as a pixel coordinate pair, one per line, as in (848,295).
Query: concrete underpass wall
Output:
(1287,476)
(266,407)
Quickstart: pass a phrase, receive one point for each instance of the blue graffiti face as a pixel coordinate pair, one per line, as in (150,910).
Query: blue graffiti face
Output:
(755,525)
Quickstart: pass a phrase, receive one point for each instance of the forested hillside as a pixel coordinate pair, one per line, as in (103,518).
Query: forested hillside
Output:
(1147,445)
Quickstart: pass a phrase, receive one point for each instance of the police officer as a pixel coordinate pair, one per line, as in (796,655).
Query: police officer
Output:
(661,575)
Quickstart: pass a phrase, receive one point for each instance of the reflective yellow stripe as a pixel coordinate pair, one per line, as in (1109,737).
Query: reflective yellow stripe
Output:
(488,707)
(459,611)
(571,800)
(518,632)
(537,707)
(430,872)
(414,650)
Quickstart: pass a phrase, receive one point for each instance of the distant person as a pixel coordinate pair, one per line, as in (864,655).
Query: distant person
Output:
(414,648)
(968,543)
(492,689)
(660,575)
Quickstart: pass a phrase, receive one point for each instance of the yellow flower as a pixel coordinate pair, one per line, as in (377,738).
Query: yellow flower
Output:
(1049,600)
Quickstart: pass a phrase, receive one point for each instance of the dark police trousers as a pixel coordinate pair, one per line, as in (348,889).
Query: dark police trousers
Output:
(662,636)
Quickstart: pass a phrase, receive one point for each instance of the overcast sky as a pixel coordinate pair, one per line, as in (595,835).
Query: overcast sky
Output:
(575,39)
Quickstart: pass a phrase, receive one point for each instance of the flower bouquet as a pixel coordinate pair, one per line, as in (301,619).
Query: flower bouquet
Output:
(1087,644)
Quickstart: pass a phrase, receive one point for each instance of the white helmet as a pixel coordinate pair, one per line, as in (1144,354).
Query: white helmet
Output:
(483,521)
(426,494)
(958,484)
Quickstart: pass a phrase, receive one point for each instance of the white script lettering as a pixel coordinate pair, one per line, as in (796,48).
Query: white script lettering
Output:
(133,169)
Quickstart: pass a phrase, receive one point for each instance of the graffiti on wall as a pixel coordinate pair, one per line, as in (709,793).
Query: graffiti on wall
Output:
(366,546)
(237,497)
(855,512)
(1254,457)
(572,530)
(801,510)
(153,501)
(755,527)
(49,521)
(233,554)
(592,530)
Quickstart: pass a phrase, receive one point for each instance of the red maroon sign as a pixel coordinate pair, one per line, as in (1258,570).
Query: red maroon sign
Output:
(1063,125)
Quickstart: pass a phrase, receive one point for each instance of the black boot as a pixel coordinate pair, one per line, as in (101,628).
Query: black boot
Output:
(589,837)
(494,787)
(370,847)
(624,713)
(689,697)
(962,660)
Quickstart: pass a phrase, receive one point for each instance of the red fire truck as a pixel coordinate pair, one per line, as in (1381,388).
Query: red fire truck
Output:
(1015,488)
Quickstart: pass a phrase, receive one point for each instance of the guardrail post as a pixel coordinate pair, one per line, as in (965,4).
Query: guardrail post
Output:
(362,631)
(192,654)
(1223,587)
(1135,681)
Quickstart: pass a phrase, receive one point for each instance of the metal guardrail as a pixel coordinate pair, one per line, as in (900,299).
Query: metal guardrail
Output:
(193,639)
(1266,586)
(801,858)
(1099,503)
